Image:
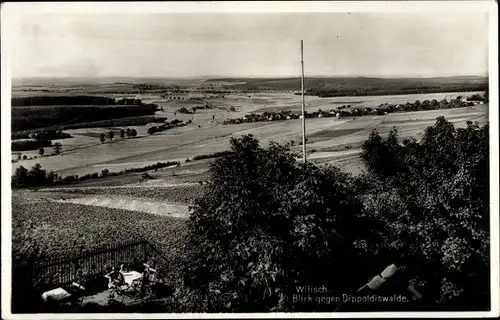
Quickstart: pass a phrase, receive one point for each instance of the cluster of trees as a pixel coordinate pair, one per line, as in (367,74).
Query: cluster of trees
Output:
(32,117)
(268,224)
(169,125)
(24,178)
(38,177)
(38,140)
(61,100)
(123,134)
(194,109)
(133,102)
(39,117)
(25,145)
(40,135)
(349,111)
(131,121)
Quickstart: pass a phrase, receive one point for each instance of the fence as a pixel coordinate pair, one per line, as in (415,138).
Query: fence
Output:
(65,268)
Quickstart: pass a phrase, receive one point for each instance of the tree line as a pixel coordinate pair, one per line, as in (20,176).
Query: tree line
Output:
(352,111)
(39,177)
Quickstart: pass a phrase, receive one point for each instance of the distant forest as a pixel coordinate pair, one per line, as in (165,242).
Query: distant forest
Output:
(331,87)
(60,111)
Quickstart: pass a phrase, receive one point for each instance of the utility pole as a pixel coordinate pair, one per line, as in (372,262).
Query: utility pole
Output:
(303,102)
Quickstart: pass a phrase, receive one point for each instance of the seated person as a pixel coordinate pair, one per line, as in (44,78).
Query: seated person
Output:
(116,277)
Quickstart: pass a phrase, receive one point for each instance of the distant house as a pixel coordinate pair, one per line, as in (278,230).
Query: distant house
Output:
(320,115)
(288,117)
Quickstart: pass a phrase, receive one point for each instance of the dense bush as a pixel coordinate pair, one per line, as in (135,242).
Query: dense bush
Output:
(25,145)
(211,155)
(184,110)
(166,126)
(267,224)
(31,178)
(434,197)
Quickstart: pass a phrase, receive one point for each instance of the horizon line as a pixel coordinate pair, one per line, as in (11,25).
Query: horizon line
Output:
(257,77)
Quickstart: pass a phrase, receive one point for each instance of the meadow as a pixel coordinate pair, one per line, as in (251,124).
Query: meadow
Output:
(84,153)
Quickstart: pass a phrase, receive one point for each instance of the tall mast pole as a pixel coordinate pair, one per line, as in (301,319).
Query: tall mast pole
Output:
(303,102)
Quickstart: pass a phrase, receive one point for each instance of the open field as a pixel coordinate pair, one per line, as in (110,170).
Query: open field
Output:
(163,202)
(62,226)
(84,153)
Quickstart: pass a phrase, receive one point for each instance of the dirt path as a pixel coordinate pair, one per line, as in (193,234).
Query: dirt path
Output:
(176,210)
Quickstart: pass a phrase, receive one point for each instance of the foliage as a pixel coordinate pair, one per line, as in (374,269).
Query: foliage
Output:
(350,111)
(102,137)
(267,224)
(25,145)
(111,134)
(211,155)
(434,197)
(57,147)
(40,135)
(61,100)
(147,176)
(166,126)
(23,177)
(71,117)
(37,176)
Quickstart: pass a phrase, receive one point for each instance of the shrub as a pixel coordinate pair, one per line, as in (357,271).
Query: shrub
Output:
(146,176)
(434,197)
(267,224)
(105,172)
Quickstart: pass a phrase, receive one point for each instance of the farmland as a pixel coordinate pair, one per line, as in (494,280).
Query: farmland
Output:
(114,208)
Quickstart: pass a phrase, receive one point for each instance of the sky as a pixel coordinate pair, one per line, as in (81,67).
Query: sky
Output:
(250,45)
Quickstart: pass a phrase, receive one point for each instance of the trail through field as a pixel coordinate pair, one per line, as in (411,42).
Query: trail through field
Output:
(155,184)
(134,204)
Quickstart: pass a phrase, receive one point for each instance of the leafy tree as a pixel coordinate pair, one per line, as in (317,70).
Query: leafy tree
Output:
(152,130)
(102,137)
(25,157)
(20,177)
(435,204)
(133,132)
(267,224)
(57,147)
(127,132)
(105,172)
(111,134)
(122,134)
(18,156)
(41,151)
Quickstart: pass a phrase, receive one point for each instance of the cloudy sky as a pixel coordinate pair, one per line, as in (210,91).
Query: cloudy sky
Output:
(257,44)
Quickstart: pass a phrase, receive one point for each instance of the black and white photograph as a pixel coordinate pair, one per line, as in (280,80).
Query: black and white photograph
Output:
(244,159)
